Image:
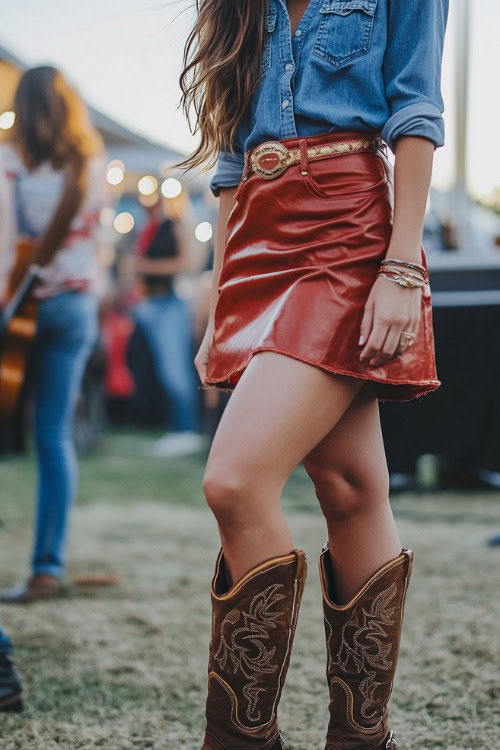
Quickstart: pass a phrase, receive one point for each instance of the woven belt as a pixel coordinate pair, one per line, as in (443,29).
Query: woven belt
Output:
(272,158)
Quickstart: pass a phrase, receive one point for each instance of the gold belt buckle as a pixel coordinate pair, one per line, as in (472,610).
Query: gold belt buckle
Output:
(270,159)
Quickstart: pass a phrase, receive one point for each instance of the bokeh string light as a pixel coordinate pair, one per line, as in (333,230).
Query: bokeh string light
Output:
(7,119)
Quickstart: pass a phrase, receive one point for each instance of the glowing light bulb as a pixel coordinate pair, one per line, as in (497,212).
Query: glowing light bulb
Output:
(7,120)
(124,222)
(147,185)
(171,188)
(115,172)
(203,231)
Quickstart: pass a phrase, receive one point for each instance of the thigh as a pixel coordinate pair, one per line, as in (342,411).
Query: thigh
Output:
(354,447)
(280,409)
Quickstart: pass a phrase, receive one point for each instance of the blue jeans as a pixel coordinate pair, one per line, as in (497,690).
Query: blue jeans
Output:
(166,323)
(5,644)
(66,334)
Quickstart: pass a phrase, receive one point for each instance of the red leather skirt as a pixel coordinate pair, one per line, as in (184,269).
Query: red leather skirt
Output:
(301,256)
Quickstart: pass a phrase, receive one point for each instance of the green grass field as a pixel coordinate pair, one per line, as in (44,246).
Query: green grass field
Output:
(125,667)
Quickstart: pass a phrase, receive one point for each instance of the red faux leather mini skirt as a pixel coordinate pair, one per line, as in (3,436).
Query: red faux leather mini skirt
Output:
(302,252)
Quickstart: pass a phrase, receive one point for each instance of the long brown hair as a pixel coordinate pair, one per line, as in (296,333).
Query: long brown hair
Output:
(52,125)
(222,68)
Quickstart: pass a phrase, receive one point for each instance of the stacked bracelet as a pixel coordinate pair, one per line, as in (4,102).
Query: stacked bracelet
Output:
(404,273)
(399,262)
(402,280)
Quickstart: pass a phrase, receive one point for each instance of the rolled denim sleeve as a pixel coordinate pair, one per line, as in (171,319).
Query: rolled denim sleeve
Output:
(412,70)
(228,171)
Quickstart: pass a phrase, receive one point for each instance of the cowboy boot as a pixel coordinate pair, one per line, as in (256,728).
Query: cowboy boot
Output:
(253,626)
(362,639)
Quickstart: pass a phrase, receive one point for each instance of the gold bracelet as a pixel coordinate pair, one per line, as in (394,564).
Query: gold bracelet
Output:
(406,264)
(403,272)
(400,262)
(407,283)
(407,274)
(404,268)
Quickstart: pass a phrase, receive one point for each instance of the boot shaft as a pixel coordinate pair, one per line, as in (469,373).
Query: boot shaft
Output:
(363,639)
(253,627)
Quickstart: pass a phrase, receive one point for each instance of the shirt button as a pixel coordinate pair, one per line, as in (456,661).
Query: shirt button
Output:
(285,103)
(289,66)
(298,33)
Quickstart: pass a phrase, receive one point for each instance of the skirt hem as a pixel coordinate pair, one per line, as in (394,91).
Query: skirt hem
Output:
(428,385)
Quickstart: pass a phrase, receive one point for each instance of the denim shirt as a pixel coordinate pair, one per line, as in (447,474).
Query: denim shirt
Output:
(366,65)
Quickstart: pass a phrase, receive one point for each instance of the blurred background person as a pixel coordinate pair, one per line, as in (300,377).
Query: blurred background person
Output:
(166,322)
(10,685)
(54,181)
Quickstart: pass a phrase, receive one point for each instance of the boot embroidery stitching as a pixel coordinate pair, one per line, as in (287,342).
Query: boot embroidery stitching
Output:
(248,654)
(362,646)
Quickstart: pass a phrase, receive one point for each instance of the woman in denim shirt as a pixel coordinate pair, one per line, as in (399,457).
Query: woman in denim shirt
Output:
(320,308)
(350,65)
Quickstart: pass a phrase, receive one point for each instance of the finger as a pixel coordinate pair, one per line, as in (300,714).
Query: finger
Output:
(405,342)
(412,327)
(416,317)
(415,326)
(366,324)
(389,347)
(375,341)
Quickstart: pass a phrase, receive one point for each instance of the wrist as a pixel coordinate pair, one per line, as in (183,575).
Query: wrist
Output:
(403,272)
(409,252)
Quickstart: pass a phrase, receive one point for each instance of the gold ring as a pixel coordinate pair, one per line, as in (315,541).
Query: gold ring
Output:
(407,337)
(405,341)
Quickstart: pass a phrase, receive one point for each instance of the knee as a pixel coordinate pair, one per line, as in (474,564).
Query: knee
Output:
(344,492)
(227,495)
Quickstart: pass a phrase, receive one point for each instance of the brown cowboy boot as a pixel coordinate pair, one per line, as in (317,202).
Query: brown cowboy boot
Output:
(253,626)
(362,648)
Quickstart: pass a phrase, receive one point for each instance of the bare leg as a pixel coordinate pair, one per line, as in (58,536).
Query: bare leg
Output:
(349,471)
(279,411)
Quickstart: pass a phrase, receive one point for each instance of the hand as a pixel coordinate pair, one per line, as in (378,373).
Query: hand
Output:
(389,310)
(201,359)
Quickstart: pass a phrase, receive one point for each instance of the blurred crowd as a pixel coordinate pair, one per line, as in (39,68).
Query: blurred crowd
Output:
(91,328)
(138,248)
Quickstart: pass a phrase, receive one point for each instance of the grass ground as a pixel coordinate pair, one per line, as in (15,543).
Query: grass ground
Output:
(125,668)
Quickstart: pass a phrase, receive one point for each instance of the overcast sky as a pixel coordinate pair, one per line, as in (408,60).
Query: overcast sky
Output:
(125,57)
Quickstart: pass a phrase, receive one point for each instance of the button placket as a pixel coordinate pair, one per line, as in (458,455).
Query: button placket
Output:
(288,129)
(290,49)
